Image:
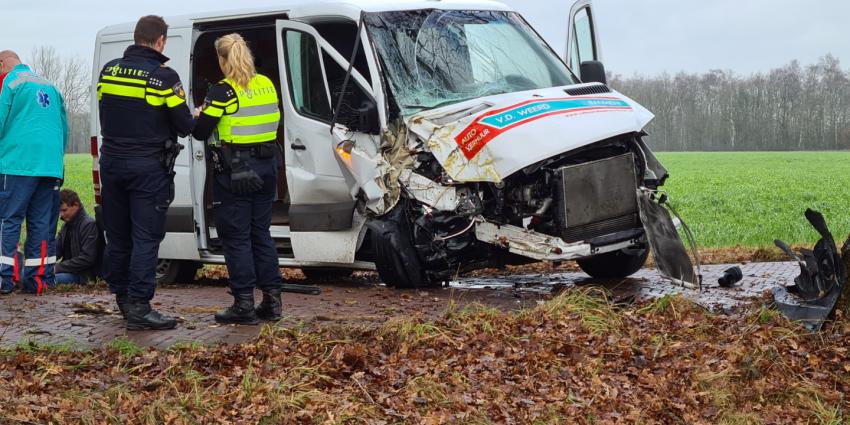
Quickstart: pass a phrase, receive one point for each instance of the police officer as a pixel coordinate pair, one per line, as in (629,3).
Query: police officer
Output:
(142,112)
(243,110)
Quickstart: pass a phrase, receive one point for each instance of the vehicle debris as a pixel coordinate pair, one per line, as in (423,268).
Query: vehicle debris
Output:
(671,257)
(730,277)
(816,291)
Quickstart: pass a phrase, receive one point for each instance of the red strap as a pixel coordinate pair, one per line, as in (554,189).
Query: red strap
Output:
(17,277)
(38,276)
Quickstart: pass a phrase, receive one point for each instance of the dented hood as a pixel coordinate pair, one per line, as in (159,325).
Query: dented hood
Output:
(490,138)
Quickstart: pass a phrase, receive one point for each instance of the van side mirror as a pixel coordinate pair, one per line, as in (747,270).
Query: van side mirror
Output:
(367,117)
(593,72)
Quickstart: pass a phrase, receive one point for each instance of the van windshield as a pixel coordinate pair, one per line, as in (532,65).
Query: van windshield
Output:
(435,58)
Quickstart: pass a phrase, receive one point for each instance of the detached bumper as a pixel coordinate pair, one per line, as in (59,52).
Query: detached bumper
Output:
(538,246)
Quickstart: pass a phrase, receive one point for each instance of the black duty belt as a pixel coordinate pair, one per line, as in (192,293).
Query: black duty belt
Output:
(255,150)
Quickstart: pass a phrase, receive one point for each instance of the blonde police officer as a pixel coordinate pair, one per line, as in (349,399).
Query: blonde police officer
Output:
(242,111)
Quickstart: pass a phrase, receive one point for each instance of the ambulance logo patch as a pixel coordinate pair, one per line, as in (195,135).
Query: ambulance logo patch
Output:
(43,98)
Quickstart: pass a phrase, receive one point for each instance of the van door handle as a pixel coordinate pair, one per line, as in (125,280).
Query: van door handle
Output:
(298,147)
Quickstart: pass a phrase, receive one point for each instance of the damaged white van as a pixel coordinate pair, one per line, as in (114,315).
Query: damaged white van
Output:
(421,138)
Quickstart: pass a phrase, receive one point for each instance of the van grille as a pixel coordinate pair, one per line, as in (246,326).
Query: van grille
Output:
(600,228)
(594,89)
(597,198)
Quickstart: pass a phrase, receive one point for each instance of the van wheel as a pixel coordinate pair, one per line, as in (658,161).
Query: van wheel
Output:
(325,274)
(614,265)
(176,271)
(392,268)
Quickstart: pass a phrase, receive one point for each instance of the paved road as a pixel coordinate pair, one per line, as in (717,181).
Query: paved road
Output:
(86,319)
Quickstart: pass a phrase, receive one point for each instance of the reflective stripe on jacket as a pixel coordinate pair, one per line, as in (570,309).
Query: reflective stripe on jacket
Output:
(142,105)
(252,117)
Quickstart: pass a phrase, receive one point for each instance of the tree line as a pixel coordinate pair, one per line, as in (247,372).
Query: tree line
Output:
(793,107)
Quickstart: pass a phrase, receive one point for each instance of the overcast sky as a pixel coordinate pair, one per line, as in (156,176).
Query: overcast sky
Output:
(638,36)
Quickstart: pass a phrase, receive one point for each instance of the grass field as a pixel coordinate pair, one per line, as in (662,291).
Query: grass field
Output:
(728,199)
(78,178)
(750,199)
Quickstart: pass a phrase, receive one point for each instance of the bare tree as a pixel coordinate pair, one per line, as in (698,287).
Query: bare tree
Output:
(72,78)
(788,108)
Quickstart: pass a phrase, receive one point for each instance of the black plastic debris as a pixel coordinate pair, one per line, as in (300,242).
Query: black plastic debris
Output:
(671,257)
(730,277)
(815,293)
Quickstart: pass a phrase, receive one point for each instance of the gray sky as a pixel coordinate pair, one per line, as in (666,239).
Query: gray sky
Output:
(638,36)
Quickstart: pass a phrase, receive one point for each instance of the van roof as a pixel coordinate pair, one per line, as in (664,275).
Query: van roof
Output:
(305,8)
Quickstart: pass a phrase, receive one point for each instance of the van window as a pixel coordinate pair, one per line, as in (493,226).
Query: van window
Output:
(341,35)
(583,47)
(306,79)
(352,98)
(435,58)
(497,50)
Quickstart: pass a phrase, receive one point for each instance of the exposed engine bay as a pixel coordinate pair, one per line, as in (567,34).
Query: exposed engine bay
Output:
(565,207)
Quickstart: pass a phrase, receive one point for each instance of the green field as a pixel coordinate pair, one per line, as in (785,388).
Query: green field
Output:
(78,178)
(742,198)
(750,199)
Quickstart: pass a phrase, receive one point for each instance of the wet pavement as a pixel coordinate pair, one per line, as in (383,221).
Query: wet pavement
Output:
(647,284)
(86,319)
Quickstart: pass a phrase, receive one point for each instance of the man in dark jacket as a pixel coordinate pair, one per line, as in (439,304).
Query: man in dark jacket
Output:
(78,245)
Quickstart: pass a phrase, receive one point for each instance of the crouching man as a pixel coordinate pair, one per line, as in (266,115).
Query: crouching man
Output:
(78,246)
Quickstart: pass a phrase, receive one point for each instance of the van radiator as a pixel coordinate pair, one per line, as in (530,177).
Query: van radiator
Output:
(597,198)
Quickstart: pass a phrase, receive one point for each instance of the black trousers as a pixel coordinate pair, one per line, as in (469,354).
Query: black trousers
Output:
(243,224)
(136,195)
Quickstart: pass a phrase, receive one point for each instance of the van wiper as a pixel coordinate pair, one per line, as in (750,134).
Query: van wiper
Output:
(420,108)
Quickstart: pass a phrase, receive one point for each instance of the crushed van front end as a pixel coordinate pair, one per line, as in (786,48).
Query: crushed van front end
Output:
(579,204)
(497,154)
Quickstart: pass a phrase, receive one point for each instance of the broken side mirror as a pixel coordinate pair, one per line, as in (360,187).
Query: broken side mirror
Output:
(367,117)
(593,72)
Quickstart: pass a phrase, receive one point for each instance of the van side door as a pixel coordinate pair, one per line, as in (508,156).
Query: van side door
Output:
(582,36)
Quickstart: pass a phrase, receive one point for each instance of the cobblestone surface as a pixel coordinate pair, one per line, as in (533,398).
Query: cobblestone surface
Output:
(87,319)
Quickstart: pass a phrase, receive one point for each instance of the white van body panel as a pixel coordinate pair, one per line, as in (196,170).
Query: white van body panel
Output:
(329,247)
(180,246)
(492,143)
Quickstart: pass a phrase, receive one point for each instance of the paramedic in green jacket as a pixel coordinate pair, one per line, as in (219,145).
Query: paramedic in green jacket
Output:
(33,136)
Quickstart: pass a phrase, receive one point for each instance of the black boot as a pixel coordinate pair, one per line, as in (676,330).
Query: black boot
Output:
(270,308)
(140,316)
(122,300)
(241,312)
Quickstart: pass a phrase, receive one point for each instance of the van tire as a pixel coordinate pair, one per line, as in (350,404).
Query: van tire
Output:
(326,274)
(614,265)
(393,270)
(169,272)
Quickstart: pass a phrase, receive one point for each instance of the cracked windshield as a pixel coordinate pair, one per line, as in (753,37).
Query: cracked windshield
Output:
(436,58)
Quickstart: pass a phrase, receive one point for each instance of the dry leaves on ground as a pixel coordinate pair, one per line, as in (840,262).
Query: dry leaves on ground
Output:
(576,359)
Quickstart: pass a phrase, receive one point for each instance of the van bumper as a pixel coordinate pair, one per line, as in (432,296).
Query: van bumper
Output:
(538,246)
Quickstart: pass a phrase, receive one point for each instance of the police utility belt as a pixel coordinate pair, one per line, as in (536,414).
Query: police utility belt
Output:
(224,155)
